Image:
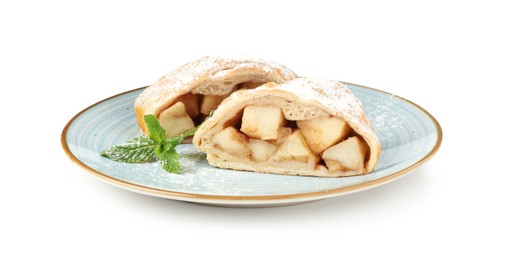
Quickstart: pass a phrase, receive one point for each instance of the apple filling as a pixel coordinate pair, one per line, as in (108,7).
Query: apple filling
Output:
(190,109)
(263,135)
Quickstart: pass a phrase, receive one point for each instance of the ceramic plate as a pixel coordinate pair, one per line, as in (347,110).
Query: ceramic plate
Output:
(409,136)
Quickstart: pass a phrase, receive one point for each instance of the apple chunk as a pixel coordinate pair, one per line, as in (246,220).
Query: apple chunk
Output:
(323,132)
(346,155)
(190,103)
(283,134)
(232,141)
(210,103)
(296,148)
(175,120)
(262,122)
(334,166)
(261,150)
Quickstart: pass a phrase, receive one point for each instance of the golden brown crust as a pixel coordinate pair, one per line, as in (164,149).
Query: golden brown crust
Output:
(208,76)
(300,99)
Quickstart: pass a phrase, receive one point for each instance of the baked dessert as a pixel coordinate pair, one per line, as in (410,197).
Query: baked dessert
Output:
(305,126)
(184,97)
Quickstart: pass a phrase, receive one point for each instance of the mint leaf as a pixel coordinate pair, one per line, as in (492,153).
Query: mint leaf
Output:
(156,132)
(140,149)
(169,160)
(167,154)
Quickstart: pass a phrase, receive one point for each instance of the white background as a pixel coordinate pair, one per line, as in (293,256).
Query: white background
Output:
(57,57)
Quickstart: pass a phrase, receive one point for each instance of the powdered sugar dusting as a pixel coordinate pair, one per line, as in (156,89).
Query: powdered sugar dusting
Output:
(332,94)
(190,75)
(386,117)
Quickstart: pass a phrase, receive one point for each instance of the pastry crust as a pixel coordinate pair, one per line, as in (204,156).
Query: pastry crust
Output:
(207,76)
(299,99)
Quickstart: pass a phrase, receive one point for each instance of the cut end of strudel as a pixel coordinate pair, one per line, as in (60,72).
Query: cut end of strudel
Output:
(306,126)
(184,97)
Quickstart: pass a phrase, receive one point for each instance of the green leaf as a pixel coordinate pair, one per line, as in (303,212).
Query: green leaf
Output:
(156,132)
(169,160)
(140,149)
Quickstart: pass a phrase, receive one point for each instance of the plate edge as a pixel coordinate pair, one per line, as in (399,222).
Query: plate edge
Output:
(233,199)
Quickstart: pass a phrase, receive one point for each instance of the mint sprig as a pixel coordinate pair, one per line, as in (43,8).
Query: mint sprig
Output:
(156,146)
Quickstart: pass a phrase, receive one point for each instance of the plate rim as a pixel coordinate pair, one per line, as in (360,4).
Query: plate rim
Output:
(228,199)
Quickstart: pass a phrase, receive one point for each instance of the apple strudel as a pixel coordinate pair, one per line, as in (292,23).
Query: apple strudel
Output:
(184,97)
(305,126)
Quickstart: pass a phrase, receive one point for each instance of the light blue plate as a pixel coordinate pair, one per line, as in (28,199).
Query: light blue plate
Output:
(409,136)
